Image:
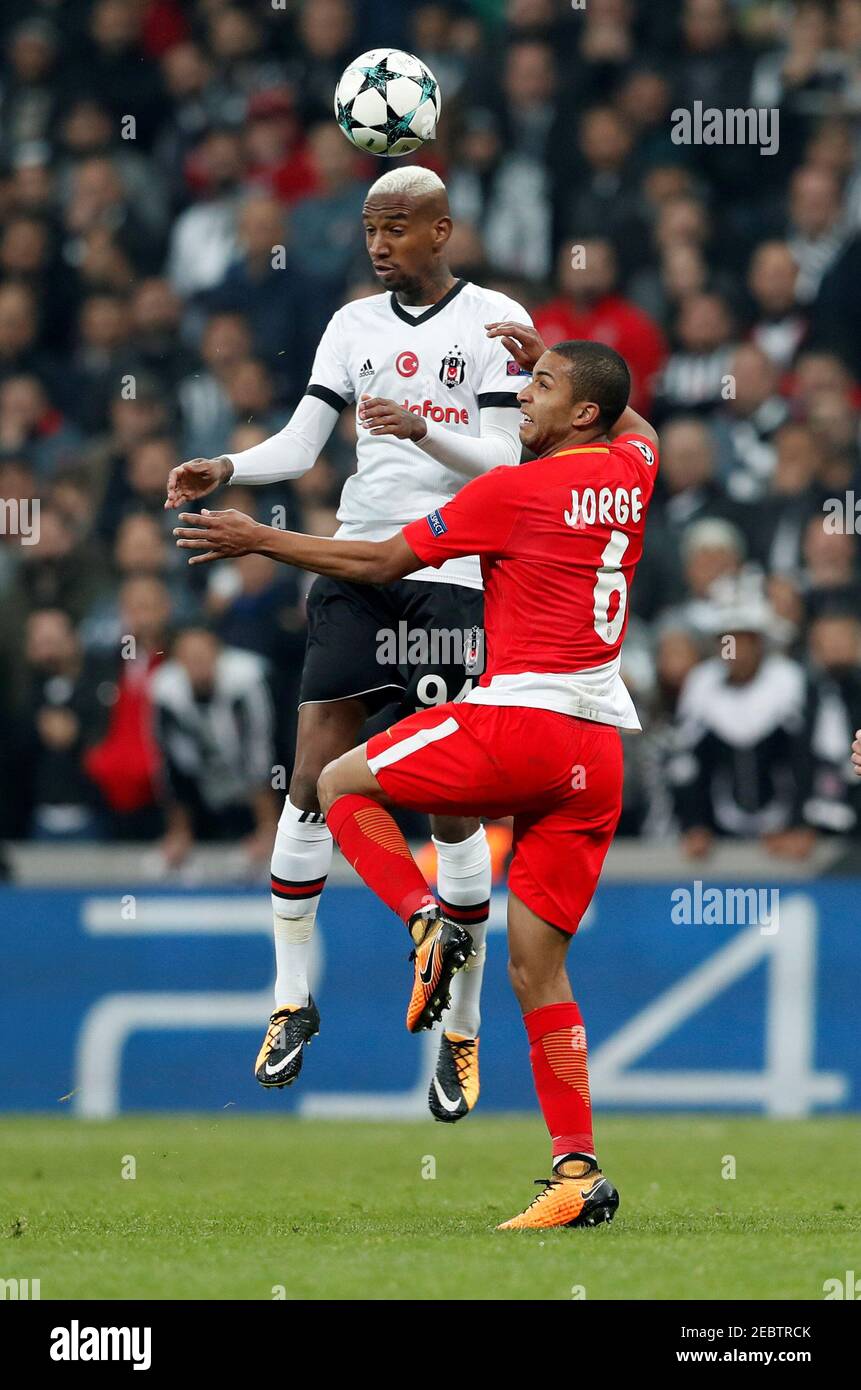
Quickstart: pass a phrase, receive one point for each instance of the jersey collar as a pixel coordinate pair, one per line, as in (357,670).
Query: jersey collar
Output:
(578,449)
(441,304)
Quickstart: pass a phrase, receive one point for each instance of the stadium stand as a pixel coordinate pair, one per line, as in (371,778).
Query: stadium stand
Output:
(152,154)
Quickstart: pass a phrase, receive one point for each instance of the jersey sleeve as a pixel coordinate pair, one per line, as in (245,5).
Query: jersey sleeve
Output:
(646,448)
(478,521)
(500,377)
(330,378)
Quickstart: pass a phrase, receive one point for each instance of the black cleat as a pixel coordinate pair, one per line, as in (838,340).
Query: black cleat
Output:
(454,1085)
(600,1205)
(279,1060)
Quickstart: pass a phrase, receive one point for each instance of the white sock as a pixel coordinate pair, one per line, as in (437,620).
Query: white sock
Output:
(300,866)
(464,882)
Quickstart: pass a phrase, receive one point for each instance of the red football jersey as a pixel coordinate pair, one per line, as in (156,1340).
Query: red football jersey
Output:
(559,540)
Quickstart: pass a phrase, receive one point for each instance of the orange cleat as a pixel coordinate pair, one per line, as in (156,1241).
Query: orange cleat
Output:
(443,949)
(586,1199)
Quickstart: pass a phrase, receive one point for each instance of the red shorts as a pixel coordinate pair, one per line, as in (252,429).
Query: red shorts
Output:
(559,777)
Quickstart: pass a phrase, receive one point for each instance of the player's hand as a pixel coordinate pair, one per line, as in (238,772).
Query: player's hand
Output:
(217,535)
(856,753)
(520,339)
(196,479)
(387,417)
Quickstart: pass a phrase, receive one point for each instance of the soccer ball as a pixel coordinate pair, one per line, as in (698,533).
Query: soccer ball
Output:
(387,102)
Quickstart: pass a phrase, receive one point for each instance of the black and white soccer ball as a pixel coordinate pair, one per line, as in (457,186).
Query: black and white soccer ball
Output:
(387,102)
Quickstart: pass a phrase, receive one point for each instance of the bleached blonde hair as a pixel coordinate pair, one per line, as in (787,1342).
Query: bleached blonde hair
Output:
(410,179)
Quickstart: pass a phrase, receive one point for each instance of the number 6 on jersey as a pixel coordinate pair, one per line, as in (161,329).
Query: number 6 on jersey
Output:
(611,581)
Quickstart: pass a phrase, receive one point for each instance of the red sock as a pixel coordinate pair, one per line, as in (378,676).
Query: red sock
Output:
(369,838)
(558,1055)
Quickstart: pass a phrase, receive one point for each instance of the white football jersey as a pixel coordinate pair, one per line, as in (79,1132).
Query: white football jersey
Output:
(438,363)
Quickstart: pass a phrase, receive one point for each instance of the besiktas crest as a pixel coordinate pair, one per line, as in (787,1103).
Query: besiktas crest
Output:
(452,368)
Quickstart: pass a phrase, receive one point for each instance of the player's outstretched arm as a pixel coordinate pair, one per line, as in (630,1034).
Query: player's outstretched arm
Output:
(293,450)
(219,535)
(629,422)
(287,454)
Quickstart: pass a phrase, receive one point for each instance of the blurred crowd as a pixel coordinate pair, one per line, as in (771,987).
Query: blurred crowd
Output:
(154,153)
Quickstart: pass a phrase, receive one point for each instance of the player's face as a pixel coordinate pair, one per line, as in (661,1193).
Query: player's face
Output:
(402,240)
(549,416)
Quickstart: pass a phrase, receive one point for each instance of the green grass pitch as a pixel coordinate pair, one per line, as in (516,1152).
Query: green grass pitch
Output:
(226,1206)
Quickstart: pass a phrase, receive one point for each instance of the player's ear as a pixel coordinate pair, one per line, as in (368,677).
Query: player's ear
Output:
(590,415)
(585,414)
(442,231)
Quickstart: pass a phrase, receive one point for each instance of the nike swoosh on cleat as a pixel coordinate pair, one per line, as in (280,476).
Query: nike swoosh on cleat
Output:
(444,1100)
(279,1066)
(426,978)
(592,1190)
